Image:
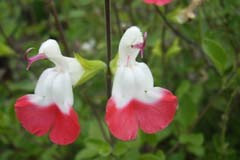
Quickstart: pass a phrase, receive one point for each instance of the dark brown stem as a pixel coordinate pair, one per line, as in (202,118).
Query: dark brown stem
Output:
(108,41)
(58,26)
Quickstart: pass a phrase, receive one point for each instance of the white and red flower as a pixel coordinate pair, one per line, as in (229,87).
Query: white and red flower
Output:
(135,102)
(50,108)
(158,2)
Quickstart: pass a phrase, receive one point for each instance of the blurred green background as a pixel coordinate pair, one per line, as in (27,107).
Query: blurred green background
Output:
(199,61)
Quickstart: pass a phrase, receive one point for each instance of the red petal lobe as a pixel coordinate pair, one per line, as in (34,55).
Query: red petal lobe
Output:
(121,121)
(156,116)
(35,119)
(66,128)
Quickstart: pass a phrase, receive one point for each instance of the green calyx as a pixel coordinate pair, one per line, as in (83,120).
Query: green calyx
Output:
(114,63)
(91,68)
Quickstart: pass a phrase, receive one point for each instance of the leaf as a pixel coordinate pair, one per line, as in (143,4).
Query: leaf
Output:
(150,139)
(103,148)
(132,154)
(157,51)
(176,15)
(187,111)
(196,150)
(161,155)
(114,63)
(24,85)
(164,133)
(120,148)
(91,68)
(149,156)
(197,93)
(216,53)
(193,139)
(86,154)
(49,153)
(5,51)
(95,132)
(177,156)
(174,49)
(183,88)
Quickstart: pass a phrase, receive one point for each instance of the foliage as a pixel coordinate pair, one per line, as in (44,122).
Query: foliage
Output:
(204,75)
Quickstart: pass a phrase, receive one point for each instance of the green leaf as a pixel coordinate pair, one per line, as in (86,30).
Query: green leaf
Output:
(86,154)
(131,154)
(95,132)
(193,139)
(24,85)
(103,148)
(114,63)
(176,15)
(216,53)
(197,93)
(5,51)
(161,155)
(187,111)
(120,148)
(196,150)
(157,51)
(183,88)
(164,133)
(177,156)
(174,49)
(150,156)
(91,68)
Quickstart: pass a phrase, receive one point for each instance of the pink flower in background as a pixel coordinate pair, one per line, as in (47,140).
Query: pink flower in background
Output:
(135,102)
(158,2)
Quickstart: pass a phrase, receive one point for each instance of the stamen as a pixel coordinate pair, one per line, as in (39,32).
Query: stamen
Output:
(32,59)
(142,45)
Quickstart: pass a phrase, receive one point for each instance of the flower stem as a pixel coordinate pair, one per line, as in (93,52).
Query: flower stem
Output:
(108,41)
(224,123)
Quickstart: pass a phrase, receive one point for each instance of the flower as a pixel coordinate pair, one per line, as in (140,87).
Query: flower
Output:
(158,2)
(50,109)
(135,102)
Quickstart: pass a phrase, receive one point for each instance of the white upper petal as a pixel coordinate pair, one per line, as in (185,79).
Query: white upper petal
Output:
(128,54)
(75,69)
(54,87)
(124,85)
(135,82)
(62,91)
(44,84)
(52,50)
(55,84)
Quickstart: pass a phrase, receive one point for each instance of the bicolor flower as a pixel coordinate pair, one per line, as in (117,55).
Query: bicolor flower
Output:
(158,2)
(50,108)
(135,102)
